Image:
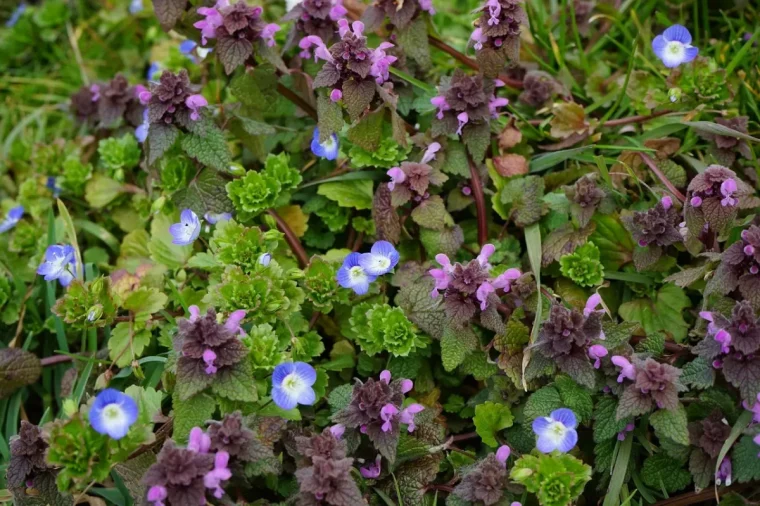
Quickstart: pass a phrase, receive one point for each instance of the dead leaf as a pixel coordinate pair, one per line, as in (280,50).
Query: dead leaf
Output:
(510,165)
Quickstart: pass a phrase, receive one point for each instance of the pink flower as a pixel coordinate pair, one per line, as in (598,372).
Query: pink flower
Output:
(373,470)
(208,357)
(407,415)
(194,103)
(397,176)
(357,27)
(427,5)
(756,439)
(336,95)
(495,103)
(591,304)
(727,189)
(478,37)
(502,454)
(596,352)
(195,313)
(220,473)
(233,322)
(268,33)
(95,90)
(666,202)
(696,201)
(724,338)
(320,53)
(707,315)
(387,413)
(482,294)
(504,280)
(381,62)
(749,250)
(430,152)
(627,371)
(442,277)
(337,430)
(494,9)
(406,385)
(198,441)
(385,376)
(156,495)
(209,25)
(337,11)
(485,253)
(463,119)
(441,104)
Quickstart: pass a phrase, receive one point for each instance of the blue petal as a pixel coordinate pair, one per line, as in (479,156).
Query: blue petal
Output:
(540,425)
(566,417)
(187,215)
(307,373)
(106,397)
(545,444)
(678,33)
(16,213)
(307,397)
(361,286)
(351,260)
(187,46)
(570,440)
(691,53)
(141,132)
(282,399)
(367,261)
(387,250)
(281,371)
(343,277)
(54,251)
(65,278)
(658,46)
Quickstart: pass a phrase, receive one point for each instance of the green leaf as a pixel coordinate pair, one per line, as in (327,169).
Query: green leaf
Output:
(101,191)
(209,148)
(192,412)
(575,397)
(542,402)
(161,138)
(672,424)
(423,310)
(18,368)
(664,473)
(613,240)
(339,397)
(545,161)
(606,425)
(455,162)
(160,245)
(254,127)
(148,402)
(357,96)
(746,463)
(330,117)
(713,128)
(619,472)
(491,418)
(205,194)
(523,199)
(146,301)
(126,344)
(368,132)
(663,313)
(432,214)
(456,344)
(236,383)
(699,373)
(256,88)
(354,194)
(477,138)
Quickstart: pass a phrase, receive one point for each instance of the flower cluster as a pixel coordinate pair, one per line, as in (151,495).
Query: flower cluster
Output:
(377,409)
(399,14)
(466,102)
(207,347)
(411,180)
(351,68)
(359,270)
(183,475)
(105,104)
(231,435)
(315,17)
(485,482)
(654,230)
(648,383)
(173,100)
(28,450)
(568,338)
(497,32)
(467,287)
(236,27)
(60,263)
(740,266)
(326,476)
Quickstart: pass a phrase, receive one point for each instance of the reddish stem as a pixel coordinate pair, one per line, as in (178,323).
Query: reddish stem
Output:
(662,177)
(480,202)
(469,62)
(462,437)
(296,99)
(55,359)
(290,237)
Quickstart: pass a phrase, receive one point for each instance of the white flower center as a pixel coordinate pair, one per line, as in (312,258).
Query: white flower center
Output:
(356,272)
(675,48)
(113,412)
(382,262)
(293,383)
(329,144)
(556,432)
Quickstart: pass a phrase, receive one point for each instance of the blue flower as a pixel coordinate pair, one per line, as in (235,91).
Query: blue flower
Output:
(16,15)
(52,185)
(556,431)
(215,218)
(60,263)
(141,132)
(352,275)
(10,220)
(187,230)
(113,413)
(380,260)
(264,259)
(136,6)
(292,385)
(328,149)
(674,47)
(187,46)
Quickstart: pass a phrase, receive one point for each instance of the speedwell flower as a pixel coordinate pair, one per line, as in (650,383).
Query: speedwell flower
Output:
(292,384)
(674,47)
(113,413)
(381,259)
(556,431)
(10,220)
(60,263)
(327,149)
(187,230)
(352,275)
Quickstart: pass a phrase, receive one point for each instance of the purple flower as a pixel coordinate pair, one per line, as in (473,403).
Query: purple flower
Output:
(373,470)
(723,475)
(10,220)
(482,294)
(427,5)
(478,38)
(60,263)
(504,281)
(756,439)
(755,409)
(336,94)
(186,46)
(327,149)
(502,454)
(556,431)
(187,230)
(727,189)
(666,202)
(156,495)
(320,53)
(387,414)
(385,376)
(268,33)
(264,259)
(441,104)
(591,304)
(463,118)
(213,20)
(220,473)
(292,384)
(52,185)
(724,338)
(381,259)
(407,415)
(194,103)
(397,176)
(696,201)
(495,103)
(596,352)
(337,430)
(208,357)
(442,277)
(198,441)
(622,434)
(215,218)
(113,413)
(95,90)
(430,152)
(627,370)
(136,6)
(381,62)
(674,47)
(352,275)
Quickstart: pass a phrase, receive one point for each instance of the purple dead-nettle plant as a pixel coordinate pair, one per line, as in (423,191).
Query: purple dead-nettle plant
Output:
(173,100)
(466,105)
(411,180)
(570,339)
(539,88)
(585,198)
(315,17)
(400,14)
(485,481)
(183,476)
(207,347)
(236,28)
(351,68)
(28,449)
(653,230)
(710,434)
(231,435)
(377,410)
(713,200)
(107,103)
(740,267)
(469,287)
(733,345)
(648,384)
(325,476)
(496,37)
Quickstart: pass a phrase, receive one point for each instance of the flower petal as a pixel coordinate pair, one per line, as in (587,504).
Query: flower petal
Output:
(281,371)
(545,444)
(568,442)
(541,424)
(282,399)
(678,33)
(566,417)
(691,53)
(307,373)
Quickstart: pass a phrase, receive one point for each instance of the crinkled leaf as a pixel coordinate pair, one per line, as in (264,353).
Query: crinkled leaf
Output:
(330,117)
(523,198)
(161,138)
(456,344)
(127,344)
(357,95)
(662,472)
(491,418)
(18,368)
(746,463)
(606,424)
(477,138)
(432,214)
(236,383)
(233,52)
(575,397)
(542,402)
(423,310)
(368,131)
(671,423)
(189,413)
(699,373)
(169,12)
(209,149)
(204,194)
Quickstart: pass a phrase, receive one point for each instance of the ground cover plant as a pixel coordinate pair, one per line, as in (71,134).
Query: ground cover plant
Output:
(400,252)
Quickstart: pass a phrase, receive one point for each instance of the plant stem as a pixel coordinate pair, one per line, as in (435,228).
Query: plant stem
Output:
(55,359)
(480,202)
(662,177)
(295,245)
(297,100)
